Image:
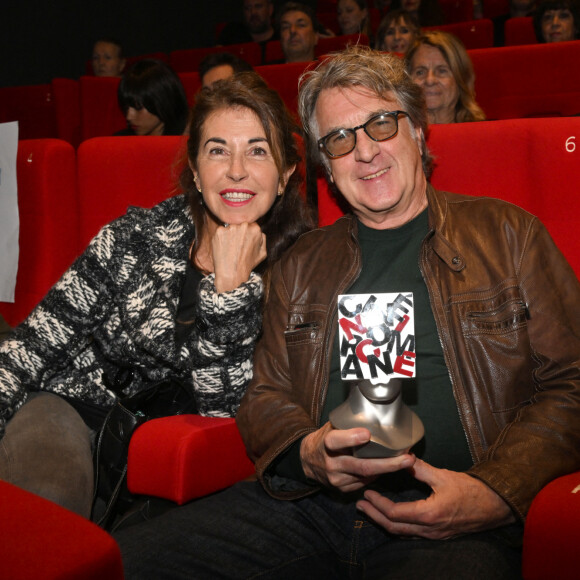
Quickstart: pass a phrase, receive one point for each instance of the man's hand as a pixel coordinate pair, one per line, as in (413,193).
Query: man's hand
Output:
(327,458)
(236,251)
(459,504)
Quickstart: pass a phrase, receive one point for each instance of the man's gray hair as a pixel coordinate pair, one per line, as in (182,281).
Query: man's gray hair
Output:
(359,66)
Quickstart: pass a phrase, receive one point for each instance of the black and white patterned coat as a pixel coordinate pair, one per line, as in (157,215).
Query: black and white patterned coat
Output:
(114,311)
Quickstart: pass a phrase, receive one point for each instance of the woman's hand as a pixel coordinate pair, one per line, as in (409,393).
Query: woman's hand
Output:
(236,251)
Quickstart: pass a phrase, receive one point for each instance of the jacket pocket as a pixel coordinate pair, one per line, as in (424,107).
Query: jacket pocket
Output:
(497,347)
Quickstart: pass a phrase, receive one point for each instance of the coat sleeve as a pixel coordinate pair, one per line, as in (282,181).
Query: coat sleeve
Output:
(227,326)
(61,324)
(542,442)
(273,415)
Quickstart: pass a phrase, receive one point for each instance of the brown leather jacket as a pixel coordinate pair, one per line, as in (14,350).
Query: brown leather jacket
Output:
(507,308)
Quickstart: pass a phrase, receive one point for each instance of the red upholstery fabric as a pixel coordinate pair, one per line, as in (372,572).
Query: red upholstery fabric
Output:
(48,208)
(191,84)
(473,33)
(100,113)
(552,533)
(33,107)
(337,43)
(510,76)
(184,457)
(42,541)
(456,10)
(493,8)
(188,60)
(66,94)
(116,172)
(284,78)
(519,31)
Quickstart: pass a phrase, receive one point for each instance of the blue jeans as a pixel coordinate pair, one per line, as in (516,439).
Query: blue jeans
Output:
(244,533)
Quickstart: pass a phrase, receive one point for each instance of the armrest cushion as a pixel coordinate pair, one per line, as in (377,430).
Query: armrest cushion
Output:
(43,540)
(187,456)
(552,533)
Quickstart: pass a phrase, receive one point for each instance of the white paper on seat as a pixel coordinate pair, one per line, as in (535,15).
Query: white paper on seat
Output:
(9,220)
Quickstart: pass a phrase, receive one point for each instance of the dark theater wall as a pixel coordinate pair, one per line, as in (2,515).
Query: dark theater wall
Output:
(43,39)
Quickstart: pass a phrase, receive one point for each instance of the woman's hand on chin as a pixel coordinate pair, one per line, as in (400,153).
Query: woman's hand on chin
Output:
(237,249)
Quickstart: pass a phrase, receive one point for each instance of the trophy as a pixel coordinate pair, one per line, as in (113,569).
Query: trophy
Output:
(377,354)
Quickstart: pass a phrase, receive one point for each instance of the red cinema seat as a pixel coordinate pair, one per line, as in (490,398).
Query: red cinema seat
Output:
(33,107)
(473,34)
(67,105)
(338,43)
(519,31)
(185,457)
(116,172)
(552,534)
(188,60)
(191,84)
(456,10)
(48,209)
(494,8)
(526,75)
(284,79)
(43,541)
(100,113)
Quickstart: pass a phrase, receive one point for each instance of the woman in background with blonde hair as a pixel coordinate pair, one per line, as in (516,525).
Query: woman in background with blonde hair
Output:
(439,63)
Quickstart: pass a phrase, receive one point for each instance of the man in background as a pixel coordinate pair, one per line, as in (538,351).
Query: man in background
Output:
(298,32)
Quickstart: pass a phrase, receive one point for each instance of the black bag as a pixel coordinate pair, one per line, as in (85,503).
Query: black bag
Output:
(163,399)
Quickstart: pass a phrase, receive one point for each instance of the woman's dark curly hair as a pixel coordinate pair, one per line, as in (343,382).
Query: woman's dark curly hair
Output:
(289,217)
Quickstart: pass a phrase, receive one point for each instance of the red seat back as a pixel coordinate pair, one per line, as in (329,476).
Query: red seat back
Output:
(48,208)
(117,172)
(473,33)
(518,81)
(519,31)
(100,113)
(66,93)
(532,163)
(33,107)
(188,60)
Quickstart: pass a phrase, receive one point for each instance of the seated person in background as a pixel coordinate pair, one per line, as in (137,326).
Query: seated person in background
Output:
(108,60)
(298,32)
(122,317)
(518,8)
(256,26)
(557,21)
(353,17)
(221,65)
(427,12)
(153,99)
(439,63)
(499,394)
(397,32)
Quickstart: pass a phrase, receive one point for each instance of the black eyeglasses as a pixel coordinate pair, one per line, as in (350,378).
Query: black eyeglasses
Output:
(379,128)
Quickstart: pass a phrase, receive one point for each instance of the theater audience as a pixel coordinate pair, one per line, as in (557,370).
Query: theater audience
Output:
(427,12)
(557,21)
(108,60)
(397,32)
(439,63)
(353,17)
(298,32)
(221,65)
(153,100)
(517,9)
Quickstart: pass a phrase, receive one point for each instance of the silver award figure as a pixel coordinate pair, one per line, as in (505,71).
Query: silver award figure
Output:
(377,353)
(380,409)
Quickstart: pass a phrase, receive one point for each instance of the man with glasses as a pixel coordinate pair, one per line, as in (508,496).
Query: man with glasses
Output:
(497,382)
